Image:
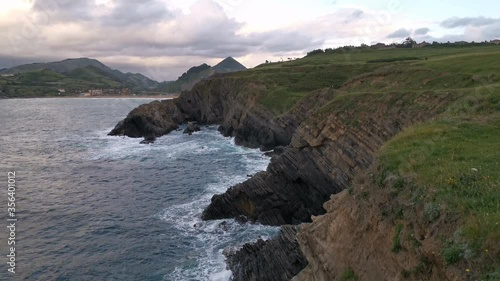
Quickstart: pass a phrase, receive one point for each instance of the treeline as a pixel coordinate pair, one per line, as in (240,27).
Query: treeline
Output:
(407,43)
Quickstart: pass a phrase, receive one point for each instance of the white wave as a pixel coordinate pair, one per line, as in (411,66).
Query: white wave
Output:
(214,236)
(209,238)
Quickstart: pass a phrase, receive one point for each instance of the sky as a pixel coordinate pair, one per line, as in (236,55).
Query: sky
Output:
(163,38)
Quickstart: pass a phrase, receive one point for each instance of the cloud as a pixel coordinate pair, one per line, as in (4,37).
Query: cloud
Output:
(422,31)
(462,22)
(357,14)
(114,13)
(400,33)
(132,34)
(165,40)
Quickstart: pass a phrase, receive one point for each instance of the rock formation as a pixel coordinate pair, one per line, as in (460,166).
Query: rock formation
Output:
(150,120)
(274,260)
(325,154)
(191,128)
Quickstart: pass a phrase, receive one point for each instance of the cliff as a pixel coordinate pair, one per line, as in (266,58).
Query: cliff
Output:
(394,143)
(231,103)
(326,152)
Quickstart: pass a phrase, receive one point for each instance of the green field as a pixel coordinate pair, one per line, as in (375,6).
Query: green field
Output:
(354,71)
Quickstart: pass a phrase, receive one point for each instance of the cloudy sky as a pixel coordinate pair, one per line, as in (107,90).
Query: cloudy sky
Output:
(163,38)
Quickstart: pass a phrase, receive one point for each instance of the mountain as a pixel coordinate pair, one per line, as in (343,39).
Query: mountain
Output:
(86,71)
(84,74)
(197,73)
(140,80)
(229,65)
(64,66)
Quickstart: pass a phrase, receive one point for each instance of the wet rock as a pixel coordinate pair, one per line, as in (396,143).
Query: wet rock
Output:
(191,128)
(241,219)
(154,119)
(224,226)
(324,156)
(148,139)
(277,259)
(277,151)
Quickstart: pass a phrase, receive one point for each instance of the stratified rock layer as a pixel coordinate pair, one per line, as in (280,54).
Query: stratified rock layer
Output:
(326,152)
(278,259)
(229,102)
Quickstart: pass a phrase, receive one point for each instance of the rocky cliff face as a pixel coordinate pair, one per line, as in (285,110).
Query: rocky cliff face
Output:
(274,260)
(226,101)
(326,152)
(331,138)
(363,236)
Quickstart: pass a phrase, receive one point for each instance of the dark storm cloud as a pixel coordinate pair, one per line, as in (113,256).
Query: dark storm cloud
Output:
(127,12)
(461,22)
(422,31)
(400,33)
(356,15)
(64,10)
(124,12)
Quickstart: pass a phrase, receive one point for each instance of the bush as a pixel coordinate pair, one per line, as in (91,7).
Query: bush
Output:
(431,212)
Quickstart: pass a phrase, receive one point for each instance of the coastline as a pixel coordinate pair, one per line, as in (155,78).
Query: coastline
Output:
(161,97)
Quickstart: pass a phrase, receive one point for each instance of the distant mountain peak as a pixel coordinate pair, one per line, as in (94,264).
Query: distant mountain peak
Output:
(229,64)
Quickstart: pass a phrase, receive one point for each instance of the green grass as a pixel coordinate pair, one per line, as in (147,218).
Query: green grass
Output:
(396,239)
(475,63)
(455,164)
(370,71)
(349,275)
(394,59)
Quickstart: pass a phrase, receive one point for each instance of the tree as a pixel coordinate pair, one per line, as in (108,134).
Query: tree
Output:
(409,42)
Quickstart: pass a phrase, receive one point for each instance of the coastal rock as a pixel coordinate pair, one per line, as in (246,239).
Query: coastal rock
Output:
(154,119)
(325,154)
(229,102)
(191,128)
(148,139)
(278,259)
(276,151)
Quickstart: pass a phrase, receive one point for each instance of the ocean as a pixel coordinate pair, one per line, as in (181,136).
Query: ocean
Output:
(94,207)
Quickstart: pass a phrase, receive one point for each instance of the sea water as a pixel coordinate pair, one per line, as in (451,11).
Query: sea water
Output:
(95,207)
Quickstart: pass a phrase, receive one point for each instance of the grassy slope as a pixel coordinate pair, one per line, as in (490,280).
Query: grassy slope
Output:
(287,82)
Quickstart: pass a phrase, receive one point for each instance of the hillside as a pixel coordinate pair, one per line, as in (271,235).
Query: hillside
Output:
(72,75)
(195,74)
(389,161)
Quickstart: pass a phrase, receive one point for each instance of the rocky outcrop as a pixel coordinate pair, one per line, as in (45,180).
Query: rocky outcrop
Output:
(278,259)
(326,152)
(229,102)
(363,236)
(150,120)
(191,128)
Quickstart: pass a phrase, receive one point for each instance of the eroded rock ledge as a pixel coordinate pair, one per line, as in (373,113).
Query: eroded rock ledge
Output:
(274,260)
(326,152)
(228,102)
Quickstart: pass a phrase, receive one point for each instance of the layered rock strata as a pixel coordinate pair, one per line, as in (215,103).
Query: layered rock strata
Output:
(278,259)
(326,152)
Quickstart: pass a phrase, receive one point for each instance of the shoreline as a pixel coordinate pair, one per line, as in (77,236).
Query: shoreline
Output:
(170,97)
